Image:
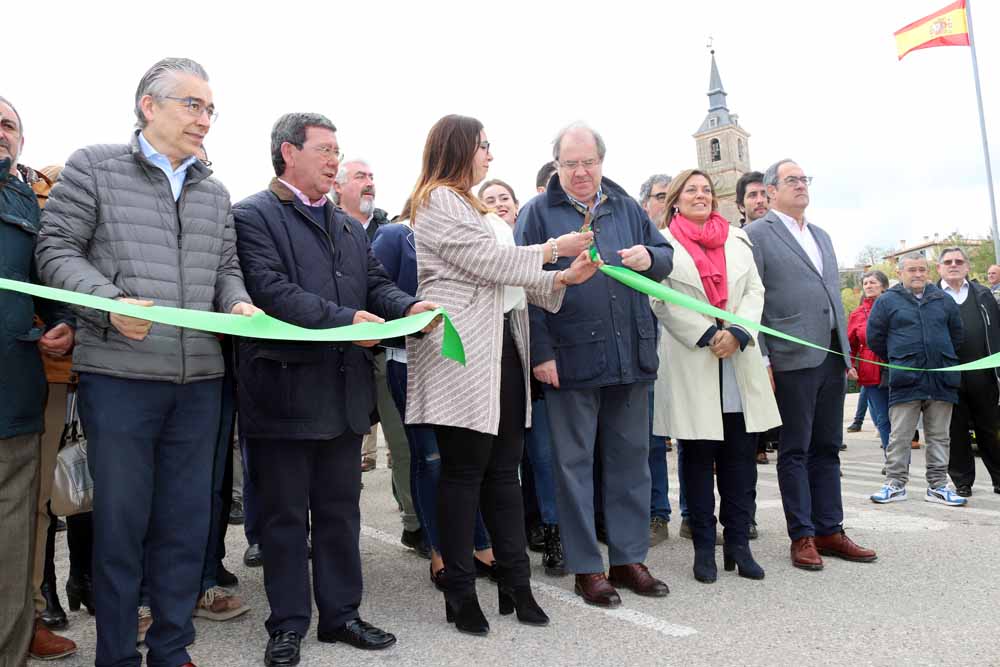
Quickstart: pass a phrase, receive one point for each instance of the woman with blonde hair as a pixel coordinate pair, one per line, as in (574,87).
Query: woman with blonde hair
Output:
(468,263)
(714,394)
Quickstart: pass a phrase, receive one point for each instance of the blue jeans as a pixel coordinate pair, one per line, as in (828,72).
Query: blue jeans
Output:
(425,466)
(878,403)
(659,502)
(151,447)
(538,442)
(859,414)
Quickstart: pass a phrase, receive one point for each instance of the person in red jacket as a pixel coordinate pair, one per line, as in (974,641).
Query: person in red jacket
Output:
(869,376)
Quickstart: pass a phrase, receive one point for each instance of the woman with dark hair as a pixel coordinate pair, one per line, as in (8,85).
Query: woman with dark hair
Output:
(500,197)
(467,260)
(714,394)
(867,375)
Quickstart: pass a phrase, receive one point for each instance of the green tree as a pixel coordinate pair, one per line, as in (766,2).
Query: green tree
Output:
(850,299)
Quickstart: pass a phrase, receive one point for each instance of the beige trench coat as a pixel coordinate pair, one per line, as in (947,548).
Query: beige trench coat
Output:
(687,395)
(463,268)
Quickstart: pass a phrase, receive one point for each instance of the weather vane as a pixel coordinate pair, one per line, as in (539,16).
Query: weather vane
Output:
(709,45)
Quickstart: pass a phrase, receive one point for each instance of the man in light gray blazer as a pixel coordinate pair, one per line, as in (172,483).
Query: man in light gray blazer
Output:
(798,266)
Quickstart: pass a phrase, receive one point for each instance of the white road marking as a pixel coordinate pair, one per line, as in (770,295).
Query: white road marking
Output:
(637,618)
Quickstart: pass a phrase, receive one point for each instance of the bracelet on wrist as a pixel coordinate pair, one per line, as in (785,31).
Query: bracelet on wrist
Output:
(554,256)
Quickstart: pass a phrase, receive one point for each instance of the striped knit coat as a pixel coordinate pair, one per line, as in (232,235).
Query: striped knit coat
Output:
(462,267)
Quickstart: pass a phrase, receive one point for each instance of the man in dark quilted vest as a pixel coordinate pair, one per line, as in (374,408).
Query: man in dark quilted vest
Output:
(145,222)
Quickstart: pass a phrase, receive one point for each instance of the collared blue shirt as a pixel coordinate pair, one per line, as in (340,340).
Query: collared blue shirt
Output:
(586,207)
(175,176)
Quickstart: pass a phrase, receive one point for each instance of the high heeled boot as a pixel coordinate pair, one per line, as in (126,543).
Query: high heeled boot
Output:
(80,590)
(739,557)
(464,611)
(53,616)
(705,569)
(520,599)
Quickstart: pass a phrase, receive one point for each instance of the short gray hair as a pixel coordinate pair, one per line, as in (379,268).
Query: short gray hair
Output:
(945,251)
(647,186)
(16,113)
(579,125)
(916,254)
(158,81)
(291,128)
(877,275)
(341,177)
(771,175)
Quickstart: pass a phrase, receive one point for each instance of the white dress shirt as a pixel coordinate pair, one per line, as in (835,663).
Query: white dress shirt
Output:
(960,295)
(804,238)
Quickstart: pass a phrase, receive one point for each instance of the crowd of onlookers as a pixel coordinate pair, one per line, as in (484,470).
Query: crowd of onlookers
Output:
(552,437)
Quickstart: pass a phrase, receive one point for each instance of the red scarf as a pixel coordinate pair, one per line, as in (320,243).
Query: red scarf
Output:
(706,245)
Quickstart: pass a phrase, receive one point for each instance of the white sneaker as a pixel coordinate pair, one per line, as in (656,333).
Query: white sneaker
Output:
(889,493)
(944,496)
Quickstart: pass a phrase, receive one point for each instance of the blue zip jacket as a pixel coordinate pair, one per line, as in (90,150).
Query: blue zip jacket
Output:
(394,246)
(920,333)
(605,332)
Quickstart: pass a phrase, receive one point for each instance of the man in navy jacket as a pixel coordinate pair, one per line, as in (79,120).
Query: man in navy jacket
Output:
(597,357)
(304,407)
(915,324)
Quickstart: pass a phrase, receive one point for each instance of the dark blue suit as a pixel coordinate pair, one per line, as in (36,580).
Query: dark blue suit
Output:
(305,406)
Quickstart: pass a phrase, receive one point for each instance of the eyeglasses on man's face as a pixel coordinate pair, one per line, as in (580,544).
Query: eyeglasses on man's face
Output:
(792,181)
(953,262)
(659,196)
(196,107)
(573,164)
(328,152)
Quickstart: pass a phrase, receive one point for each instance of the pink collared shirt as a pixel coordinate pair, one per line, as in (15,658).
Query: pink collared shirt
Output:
(302,197)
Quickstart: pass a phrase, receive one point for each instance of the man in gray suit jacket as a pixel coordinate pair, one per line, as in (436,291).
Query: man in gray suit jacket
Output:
(798,266)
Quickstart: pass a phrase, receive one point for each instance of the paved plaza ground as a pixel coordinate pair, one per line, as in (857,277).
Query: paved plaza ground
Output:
(932,598)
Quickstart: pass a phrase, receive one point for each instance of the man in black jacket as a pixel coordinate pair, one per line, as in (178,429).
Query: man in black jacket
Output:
(979,394)
(305,406)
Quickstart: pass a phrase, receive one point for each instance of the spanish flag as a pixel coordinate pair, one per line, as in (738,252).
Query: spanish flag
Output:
(945,27)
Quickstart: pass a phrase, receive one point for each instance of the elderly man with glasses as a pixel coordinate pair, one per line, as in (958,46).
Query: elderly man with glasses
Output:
(597,359)
(146,223)
(979,393)
(798,267)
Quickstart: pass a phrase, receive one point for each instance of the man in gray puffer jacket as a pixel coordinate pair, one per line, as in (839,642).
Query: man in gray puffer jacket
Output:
(146,223)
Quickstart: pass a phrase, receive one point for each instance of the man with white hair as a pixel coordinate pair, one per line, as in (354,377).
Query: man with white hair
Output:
(146,223)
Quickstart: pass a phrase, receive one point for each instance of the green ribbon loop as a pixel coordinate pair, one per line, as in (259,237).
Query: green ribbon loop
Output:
(642,284)
(260,325)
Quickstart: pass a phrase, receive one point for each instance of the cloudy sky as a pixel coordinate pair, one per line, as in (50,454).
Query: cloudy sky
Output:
(894,147)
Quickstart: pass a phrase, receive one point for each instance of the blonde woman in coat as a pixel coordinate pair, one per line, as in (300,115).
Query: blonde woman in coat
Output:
(467,259)
(712,394)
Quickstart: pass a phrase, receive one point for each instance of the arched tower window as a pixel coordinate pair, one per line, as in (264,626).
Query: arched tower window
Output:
(715,150)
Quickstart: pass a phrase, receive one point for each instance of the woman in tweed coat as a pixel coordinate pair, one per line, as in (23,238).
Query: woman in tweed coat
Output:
(467,262)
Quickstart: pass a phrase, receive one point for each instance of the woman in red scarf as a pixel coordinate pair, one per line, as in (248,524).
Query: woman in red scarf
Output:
(713,392)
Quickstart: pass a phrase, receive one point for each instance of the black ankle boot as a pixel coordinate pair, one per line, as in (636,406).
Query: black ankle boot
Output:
(741,558)
(466,614)
(80,590)
(53,616)
(705,569)
(520,599)
(553,559)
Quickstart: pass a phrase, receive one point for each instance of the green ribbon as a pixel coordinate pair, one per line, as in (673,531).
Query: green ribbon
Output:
(642,284)
(260,325)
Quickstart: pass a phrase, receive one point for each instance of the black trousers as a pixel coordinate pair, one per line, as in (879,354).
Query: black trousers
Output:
(293,478)
(479,470)
(977,404)
(735,473)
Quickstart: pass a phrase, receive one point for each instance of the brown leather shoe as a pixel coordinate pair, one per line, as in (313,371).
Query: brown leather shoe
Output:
(636,577)
(841,546)
(595,589)
(804,554)
(46,645)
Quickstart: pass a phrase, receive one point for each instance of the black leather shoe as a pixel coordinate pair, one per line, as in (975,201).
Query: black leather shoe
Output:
(963,490)
(253,556)
(282,648)
(486,570)
(53,616)
(225,578)
(536,538)
(414,539)
(466,614)
(358,634)
(236,515)
(996,488)
(753,531)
